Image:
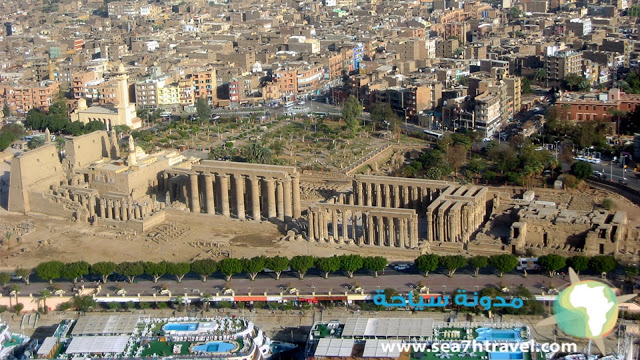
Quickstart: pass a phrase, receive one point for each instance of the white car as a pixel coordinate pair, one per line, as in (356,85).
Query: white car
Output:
(401,267)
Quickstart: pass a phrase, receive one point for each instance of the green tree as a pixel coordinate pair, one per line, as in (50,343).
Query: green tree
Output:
(50,270)
(74,270)
(254,265)
(514,12)
(155,269)
(478,262)
(257,154)
(301,264)
(6,111)
(351,111)
(603,263)
(203,109)
(179,269)
(104,269)
(84,303)
(375,264)
(526,86)
(44,295)
(328,265)
(582,169)
(351,263)
(130,270)
(503,263)
(5,140)
(575,82)
(427,263)
(204,268)
(18,308)
(36,142)
(453,263)
(277,264)
(578,263)
(229,267)
(24,273)
(540,75)
(4,278)
(552,263)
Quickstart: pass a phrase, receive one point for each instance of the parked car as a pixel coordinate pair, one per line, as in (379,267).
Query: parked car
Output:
(400,267)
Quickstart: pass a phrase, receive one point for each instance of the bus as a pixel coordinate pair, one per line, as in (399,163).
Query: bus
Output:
(432,135)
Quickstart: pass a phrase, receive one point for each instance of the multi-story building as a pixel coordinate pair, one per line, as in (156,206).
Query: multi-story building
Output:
(514,91)
(287,80)
(103,92)
(22,97)
(205,84)
(487,113)
(446,48)
(82,79)
(597,107)
(309,77)
(561,64)
(579,27)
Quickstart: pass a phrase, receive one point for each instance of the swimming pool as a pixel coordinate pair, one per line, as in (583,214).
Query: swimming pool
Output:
(489,334)
(180,327)
(214,347)
(506,356)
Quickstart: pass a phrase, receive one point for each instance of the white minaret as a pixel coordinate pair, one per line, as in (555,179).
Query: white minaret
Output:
(132,160)
(123,87)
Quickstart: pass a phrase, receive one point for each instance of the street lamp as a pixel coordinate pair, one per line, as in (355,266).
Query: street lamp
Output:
(249,291)
(444,289)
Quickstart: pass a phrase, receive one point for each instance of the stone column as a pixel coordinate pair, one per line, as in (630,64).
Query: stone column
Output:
(405,197)
(165,182)
(392,232)
(286,184)
(316,225)
(381,230)
(359,194)
(210,197)
(321,233)
(280,200)
(224,194)
(370,230)
(378,188)
(369,200)
(325,225)
(334,225)
(107,209)
(123,211)
(91,203)
(413,241)
(193,188)
(116,209)
(129,209)
(310,232)
(295,189)
(396,196)
(402,243)
(239,194)
(254,182)
(345,225)
(387,195)
(271,199)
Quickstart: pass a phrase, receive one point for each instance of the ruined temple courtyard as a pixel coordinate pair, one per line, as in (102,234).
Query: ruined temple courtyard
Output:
(91,203)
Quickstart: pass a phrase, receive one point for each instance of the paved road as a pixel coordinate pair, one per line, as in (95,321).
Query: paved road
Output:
(615,173)
(402,282)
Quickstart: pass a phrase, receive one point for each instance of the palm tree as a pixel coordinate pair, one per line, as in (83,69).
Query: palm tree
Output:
(44,295)
(206,300)
(15,289)
(540,75)
(8,235)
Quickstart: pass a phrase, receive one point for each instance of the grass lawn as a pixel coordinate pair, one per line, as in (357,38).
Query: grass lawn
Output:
(162,348)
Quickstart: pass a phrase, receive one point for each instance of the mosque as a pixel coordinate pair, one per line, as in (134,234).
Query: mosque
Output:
(123,114)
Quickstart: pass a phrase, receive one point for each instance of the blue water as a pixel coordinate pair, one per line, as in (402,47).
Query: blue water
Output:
(180,327)
(506,356)
(214,346)
(498,334)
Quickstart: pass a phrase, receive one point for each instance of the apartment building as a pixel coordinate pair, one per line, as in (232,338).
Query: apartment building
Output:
(24,96)
(561,64)
(81,80)
(597,107)
(446,48)
(487,113)
(205,84)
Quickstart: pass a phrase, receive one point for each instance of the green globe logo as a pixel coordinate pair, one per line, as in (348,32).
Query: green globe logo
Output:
(587,309)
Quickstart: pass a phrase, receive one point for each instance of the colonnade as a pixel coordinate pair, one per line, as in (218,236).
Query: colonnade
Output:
(363,225)
(456,214)
(239,194)
(392,192)
(114,206)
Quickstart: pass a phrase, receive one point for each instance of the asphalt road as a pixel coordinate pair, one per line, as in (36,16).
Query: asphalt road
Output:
(337,283)
(615,173)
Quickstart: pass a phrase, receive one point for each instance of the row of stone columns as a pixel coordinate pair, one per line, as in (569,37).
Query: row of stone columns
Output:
(225,194)
(121,210)
(450,221)
(392,195)
(332,225)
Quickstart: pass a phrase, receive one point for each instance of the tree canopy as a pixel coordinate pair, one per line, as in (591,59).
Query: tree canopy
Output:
(375,264)
(301,264)
(351,263)
(104,269)
(351,111)
(503,263)
(229,267)
(204,268)
(427,263)
(277,264)
(328,265)
(50,270)
(552,263)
